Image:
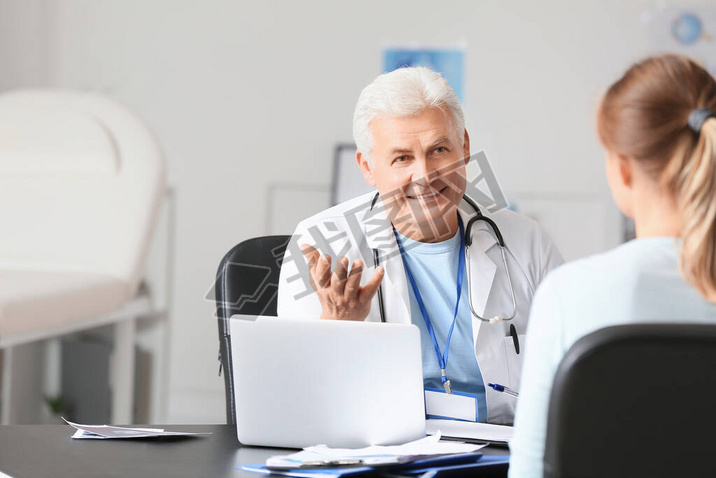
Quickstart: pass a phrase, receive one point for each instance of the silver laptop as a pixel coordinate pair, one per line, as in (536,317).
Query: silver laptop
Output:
(302,382)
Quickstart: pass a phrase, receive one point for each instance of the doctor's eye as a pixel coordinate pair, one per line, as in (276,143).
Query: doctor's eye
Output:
(400,159)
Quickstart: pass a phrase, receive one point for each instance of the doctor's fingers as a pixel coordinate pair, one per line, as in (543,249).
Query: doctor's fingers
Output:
(367,292)
(354,277)
(338,279)
(322,273)
(311,255)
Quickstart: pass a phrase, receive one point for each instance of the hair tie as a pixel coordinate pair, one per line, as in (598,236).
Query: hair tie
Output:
(698,117)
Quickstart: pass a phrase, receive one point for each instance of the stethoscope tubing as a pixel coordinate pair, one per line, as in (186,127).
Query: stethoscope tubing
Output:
(468,243)
(509,282)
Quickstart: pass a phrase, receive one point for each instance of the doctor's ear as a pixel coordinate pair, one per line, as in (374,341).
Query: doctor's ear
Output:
(366,168)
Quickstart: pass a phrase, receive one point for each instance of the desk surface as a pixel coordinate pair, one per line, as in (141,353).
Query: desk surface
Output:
(49,451)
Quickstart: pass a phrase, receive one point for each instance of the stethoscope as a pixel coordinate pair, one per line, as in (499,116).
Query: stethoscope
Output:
(468,242)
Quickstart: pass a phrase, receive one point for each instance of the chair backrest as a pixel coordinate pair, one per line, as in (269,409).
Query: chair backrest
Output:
(81,181)
(246,283)
(635,400)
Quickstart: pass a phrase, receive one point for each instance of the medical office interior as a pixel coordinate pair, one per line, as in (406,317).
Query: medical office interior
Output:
(248,103)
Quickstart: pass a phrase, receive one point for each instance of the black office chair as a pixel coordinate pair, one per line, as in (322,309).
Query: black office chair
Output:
(246,283)
(635,400)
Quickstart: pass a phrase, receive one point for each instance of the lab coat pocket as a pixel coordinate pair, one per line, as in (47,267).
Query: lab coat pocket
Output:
(514,360)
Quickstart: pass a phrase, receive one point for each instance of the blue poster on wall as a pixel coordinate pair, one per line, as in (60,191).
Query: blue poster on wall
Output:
(449,62)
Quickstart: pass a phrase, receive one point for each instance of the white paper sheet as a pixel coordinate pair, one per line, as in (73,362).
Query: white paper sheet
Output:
(104,432)
(372,455)
(469,430)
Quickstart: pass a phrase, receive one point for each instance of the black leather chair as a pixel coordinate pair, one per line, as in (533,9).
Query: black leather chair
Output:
(246,283)
(636,401)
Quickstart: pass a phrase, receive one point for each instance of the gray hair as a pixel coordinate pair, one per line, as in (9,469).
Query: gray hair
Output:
(404,92)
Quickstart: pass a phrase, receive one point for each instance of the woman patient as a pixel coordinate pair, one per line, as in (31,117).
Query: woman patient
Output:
(658,126)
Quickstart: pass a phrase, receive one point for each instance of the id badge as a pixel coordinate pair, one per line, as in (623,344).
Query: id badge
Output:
(452,406)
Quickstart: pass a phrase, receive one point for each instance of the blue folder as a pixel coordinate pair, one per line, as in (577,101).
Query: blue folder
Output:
(440,466)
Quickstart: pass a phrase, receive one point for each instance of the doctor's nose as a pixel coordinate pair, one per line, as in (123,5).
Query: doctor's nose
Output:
(423,172)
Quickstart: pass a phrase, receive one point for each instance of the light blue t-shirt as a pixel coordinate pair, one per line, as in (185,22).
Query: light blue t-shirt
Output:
(637,282)
(434,267)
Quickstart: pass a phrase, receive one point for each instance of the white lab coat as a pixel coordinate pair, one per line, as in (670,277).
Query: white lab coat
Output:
(353,230)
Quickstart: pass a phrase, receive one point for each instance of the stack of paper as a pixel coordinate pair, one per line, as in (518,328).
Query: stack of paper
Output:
(323,461)
(103,432)
(321,455)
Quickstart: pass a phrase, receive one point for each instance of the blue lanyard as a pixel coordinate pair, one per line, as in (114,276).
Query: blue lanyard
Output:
(442,358)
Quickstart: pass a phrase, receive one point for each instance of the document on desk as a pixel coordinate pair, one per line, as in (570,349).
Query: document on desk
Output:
(104,432)
(464,462)
(323,461)
(482,432)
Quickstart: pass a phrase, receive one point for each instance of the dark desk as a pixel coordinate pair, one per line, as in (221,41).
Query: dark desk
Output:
(36,451)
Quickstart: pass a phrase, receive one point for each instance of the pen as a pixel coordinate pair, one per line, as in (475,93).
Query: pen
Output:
(291,464)
(502,388)
(515,340)
(332,463)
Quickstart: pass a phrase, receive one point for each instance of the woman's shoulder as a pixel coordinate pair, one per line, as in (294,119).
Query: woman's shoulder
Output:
(616,267)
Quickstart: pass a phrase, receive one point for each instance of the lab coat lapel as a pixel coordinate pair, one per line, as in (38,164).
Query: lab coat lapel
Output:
(482,268)
(378,231)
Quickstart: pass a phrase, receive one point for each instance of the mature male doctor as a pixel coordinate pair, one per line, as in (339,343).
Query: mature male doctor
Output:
(398,255)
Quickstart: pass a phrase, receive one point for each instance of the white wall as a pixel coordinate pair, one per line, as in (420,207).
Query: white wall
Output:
(244,95)
(23,46)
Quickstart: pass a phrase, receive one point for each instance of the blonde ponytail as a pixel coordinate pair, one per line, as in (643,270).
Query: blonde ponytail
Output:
(694,182)
(662,113)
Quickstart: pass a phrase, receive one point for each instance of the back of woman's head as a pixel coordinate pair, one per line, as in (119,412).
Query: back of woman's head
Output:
(655,115)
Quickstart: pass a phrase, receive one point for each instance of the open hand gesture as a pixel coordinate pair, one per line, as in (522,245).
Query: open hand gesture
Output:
(340,292)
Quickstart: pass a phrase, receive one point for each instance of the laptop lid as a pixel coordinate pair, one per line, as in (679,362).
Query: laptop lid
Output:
(302,382)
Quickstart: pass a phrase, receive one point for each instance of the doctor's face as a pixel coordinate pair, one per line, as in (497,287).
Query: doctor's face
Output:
(419,170)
